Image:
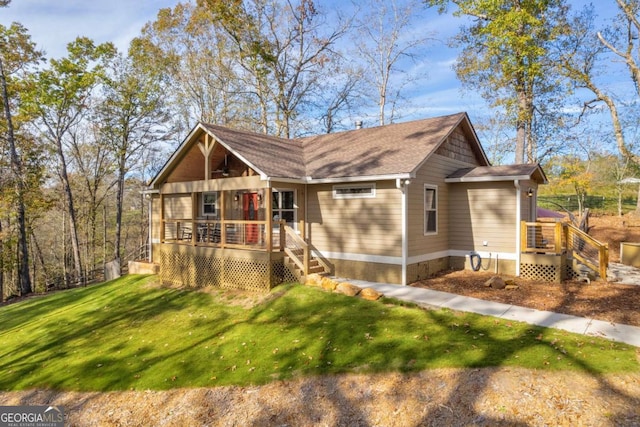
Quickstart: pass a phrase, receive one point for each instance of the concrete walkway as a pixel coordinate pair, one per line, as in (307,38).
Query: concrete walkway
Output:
(598,328)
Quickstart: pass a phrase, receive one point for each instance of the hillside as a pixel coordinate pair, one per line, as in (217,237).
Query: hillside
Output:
(172,356)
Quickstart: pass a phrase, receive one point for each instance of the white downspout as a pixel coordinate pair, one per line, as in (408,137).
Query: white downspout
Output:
(516,183)
(402,186)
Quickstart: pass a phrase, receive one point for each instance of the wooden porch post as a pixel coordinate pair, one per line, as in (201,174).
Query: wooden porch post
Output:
(603,261)
(162,226)
(269,218)
(194,215)
(283,235)
(223,226)
(268,234)
(558,238)
(206,149)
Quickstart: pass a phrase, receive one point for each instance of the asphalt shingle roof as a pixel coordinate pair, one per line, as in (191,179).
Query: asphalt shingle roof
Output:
(275,157)
(487,173)
(395,149)
(382,150)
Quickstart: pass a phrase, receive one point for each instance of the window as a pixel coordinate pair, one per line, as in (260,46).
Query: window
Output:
(354,191)
(283,206)
(430,209)
(210,204)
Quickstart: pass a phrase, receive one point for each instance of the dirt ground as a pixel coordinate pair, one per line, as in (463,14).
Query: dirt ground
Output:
(444,397)
(456,397)
(600,300)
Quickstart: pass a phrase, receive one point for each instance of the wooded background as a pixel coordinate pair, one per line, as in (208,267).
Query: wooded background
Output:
(82,134)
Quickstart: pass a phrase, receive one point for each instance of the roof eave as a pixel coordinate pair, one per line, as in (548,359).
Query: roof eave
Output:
(338,180)
(487,178)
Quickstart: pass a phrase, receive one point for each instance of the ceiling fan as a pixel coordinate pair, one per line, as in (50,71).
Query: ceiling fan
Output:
(225,169)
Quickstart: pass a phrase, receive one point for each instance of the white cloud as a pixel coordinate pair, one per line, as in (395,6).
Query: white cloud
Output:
(53,24)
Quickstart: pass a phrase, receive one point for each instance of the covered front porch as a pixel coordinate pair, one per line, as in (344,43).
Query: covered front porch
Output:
(237,232)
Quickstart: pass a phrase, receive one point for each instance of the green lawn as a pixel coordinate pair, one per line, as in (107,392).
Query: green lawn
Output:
(128,334)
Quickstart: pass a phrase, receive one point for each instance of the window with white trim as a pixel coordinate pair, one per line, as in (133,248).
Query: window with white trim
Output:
(354,191)
(283,206)
(430,209)
(210,204)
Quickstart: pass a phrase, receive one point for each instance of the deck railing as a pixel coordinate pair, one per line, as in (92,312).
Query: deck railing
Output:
(558,238)
(216,233)
(297,249)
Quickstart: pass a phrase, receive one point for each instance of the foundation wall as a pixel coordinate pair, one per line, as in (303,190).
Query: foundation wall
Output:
(370,271)
(426,269)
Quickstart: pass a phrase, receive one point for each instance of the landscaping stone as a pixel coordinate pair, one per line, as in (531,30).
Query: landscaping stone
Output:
(496,282)
(329,284)
(314,280)
(348,289)
(370,294)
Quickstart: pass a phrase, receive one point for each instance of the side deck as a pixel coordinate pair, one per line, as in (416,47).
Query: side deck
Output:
(556,250)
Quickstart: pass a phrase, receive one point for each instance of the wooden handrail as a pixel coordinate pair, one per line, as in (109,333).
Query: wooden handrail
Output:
(296,242)
(602,248)
(562,241)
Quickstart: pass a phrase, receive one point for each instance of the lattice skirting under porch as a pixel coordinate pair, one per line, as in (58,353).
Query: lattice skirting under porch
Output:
(184,268)
(549,268)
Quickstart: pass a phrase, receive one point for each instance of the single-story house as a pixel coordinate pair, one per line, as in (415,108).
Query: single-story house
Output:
(393,204)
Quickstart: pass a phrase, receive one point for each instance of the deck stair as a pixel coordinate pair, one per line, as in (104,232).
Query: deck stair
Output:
(298,257)
(584,253)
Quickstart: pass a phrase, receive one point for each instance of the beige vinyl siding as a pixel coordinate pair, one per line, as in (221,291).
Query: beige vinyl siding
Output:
(482,212)
(155,218)
(369,226)
(432,173)
(177,206)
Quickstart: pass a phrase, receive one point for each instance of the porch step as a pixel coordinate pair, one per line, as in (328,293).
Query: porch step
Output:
(314,268)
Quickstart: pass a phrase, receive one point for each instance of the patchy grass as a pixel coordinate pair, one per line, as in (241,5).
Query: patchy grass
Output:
(127,334)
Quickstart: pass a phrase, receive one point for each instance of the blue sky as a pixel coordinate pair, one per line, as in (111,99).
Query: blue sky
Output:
(52,24)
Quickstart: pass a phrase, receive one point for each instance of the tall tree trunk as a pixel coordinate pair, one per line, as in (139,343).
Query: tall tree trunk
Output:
(40,257)
(73,225)
(1,265)
(119,202)
(24,280)
(521,126)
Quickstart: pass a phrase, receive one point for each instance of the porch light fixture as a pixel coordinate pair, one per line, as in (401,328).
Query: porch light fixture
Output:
(236,197)
(530,192)
(259,198)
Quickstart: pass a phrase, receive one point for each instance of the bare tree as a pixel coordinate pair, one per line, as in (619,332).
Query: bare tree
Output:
(385,36)
(584,53)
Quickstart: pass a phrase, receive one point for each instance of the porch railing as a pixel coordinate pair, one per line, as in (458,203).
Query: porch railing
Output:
(558,238)
(297,249)
(216,233)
